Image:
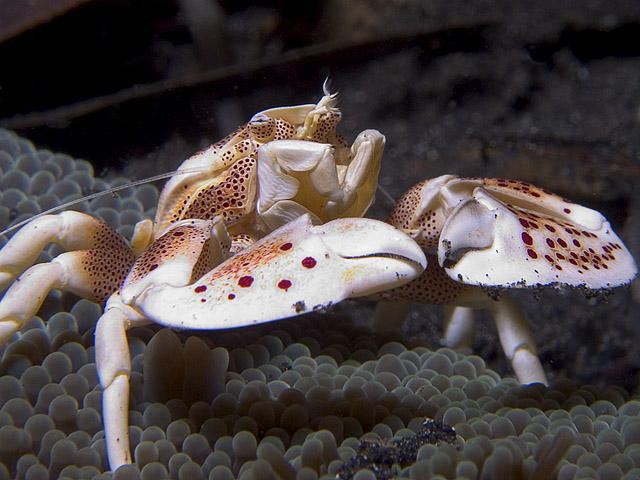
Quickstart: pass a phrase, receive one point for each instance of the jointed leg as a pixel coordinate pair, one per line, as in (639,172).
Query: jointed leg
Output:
(458,328)
(113,363)
(517,340)
(72,230)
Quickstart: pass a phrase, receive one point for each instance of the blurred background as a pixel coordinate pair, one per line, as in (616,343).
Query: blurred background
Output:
(546,93)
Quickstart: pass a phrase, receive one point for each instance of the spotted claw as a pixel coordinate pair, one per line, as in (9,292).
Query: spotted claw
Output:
(296,269)
(535,238)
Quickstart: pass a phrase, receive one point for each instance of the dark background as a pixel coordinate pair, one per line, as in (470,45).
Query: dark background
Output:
(547,93)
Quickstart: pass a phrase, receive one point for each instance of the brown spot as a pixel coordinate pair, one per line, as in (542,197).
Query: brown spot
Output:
(532,253)
(309,262)
(284,284)
(286,246)
(231,296)
(526,238)
(245,281)
(200,289)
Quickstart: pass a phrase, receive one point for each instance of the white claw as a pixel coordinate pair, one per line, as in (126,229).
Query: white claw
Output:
(294,270)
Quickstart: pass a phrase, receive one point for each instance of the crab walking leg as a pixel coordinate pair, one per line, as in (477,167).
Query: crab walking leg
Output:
(517,340)
(72,230)
(458,328)
(516,337)
(78,272)
(296,269)
(34,284)
(114,369)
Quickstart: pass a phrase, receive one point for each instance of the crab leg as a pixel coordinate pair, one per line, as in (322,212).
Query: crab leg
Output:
(94,272)
(114,369)
(458,328)
(517,340)
(72,230)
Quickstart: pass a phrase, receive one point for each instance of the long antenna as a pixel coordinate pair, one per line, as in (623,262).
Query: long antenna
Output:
(111,190)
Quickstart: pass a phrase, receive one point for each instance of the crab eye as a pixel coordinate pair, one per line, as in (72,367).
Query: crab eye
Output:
(262,127)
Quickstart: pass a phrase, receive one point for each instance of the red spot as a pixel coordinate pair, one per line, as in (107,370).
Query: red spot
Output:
(200,289)
(526,238)
(560,256)
(551,243)
(284,284)
(550,228)
(534,194)
(309,262)
(576,243)
(245,282)
(567,210)
(231,296)
(562,243)
(532,253)
(558,267)
(178,234)
(549,259)
(572,261)
(524,223)
(153,267)
(286,246)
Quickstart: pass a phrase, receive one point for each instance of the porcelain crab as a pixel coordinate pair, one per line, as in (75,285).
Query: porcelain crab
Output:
(257,227)
(277,196)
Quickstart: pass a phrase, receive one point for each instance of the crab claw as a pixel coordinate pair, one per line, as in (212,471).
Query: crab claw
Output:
(499,240)
(296,269)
